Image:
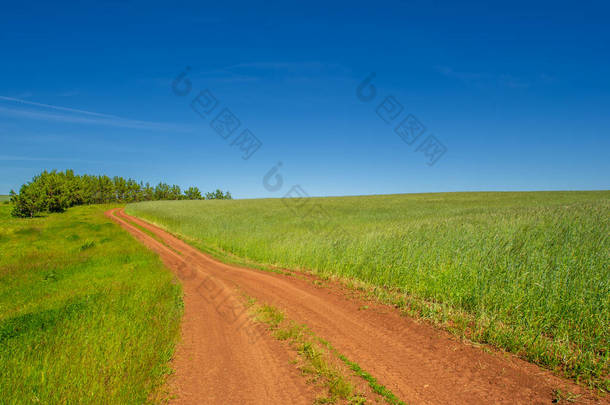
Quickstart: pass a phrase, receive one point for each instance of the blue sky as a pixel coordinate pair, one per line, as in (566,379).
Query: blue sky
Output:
(517,94)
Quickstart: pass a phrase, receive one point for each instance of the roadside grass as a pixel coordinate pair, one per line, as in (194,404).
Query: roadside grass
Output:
(318,359)
(526,272)
(87,314)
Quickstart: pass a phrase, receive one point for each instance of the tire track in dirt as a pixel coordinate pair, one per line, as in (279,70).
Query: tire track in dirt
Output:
(217,361)
(420,364)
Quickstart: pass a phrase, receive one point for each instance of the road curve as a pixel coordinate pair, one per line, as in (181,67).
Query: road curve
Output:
(221,362)
(217,362)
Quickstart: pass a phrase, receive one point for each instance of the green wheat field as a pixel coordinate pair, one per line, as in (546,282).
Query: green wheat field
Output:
(528,272)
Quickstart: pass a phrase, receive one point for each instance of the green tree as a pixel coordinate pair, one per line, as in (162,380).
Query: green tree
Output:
(29,202)
(120,189)
(162,191)
(105,191)
(175,193)
(56,191)
(148,193)
(134,190)
(192,193)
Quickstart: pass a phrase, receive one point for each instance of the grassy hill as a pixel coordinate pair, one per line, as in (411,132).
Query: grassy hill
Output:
(528,272)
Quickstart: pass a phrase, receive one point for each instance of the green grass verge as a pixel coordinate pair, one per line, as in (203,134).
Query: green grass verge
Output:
(314,359)
(373,383)
(316,356)
(527,272)
(87,314)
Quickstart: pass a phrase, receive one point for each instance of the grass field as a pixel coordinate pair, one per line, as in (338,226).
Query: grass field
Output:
(528,272)
(4,198)
(87,314)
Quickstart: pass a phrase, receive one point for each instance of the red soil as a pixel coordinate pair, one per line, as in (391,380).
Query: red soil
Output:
(223,358)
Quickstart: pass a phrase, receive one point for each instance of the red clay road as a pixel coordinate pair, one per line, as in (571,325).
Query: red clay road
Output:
(221,360)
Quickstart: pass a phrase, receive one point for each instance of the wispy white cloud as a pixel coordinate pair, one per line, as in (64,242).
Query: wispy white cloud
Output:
(299,67)
(483,78)
(248,72)
(255,71)
(226,76)
(547,78)
(34,138)
(92,142)
(54,107)
(72,115)
(512,81)
(25,94)
(463,76)
(280,65)
(69,93)
(54,159)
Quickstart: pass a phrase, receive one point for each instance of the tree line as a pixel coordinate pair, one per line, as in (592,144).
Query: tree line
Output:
(53,191)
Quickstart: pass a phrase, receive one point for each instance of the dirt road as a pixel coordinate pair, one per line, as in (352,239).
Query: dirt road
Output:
(219,361)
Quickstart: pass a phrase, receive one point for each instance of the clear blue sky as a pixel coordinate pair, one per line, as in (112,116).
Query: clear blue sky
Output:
(517,92)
